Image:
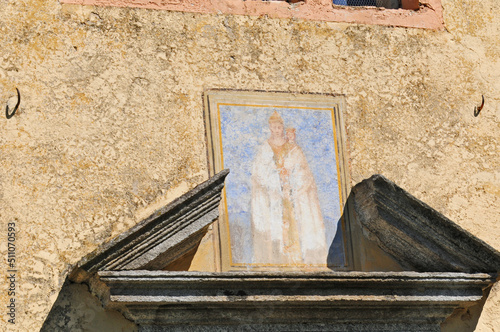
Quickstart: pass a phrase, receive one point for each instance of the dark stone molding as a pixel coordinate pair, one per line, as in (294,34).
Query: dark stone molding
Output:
(160,239)
(418,237)
(332,301)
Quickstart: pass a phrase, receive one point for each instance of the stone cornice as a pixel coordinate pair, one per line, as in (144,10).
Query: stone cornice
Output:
(339,300)
(160,239)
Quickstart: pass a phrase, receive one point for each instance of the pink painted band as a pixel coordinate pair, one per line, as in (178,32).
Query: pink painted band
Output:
(430,15)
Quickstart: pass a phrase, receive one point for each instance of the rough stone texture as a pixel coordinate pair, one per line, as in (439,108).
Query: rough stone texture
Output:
(418,237)
(332,301)
(111,118)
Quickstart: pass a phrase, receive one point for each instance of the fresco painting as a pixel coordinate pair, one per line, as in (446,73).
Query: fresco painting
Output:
(282,194)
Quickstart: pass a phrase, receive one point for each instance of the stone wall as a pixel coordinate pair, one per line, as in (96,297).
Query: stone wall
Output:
(111,118)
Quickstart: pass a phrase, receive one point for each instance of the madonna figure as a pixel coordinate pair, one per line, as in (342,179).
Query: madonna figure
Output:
(287,224)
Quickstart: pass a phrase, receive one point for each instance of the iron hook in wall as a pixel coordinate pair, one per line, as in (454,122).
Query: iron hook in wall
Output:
(7,115)
(479,108)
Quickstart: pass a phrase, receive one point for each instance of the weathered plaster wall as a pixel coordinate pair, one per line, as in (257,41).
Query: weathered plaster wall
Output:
(111,119)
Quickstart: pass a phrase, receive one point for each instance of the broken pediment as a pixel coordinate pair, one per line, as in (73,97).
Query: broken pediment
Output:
(167,235)
(434,267)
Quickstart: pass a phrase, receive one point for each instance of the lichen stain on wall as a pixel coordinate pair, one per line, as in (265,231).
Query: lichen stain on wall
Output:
(111,119)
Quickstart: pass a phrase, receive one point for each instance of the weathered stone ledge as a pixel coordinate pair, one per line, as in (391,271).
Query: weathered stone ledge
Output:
(373,301)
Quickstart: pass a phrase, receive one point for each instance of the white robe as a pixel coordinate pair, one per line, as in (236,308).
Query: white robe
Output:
(305,201)
(267,209)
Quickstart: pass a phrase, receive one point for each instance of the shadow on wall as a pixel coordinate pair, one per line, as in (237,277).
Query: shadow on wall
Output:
(76,309)
(365,254)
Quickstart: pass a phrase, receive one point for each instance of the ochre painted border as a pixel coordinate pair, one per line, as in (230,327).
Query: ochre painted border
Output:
(429,16)
(213,100)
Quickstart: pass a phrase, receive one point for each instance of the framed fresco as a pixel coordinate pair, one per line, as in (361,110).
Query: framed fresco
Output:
(284,198)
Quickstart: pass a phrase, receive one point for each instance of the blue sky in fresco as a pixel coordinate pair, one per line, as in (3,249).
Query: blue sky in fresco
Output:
(243,130)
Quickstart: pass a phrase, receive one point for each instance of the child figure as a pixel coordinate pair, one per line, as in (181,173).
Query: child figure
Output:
(290,137)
